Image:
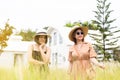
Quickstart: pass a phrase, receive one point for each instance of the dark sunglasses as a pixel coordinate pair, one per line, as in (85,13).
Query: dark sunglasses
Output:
(79,33)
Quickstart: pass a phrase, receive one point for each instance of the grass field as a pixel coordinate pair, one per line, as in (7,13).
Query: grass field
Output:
(112,72)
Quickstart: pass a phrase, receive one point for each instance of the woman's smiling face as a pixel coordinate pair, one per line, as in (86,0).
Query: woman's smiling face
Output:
(79,34)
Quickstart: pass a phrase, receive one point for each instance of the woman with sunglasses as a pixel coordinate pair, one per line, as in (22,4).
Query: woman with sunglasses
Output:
(81,56)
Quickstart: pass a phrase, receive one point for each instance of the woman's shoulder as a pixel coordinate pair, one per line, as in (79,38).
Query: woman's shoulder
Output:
(32,45)
(87,43)
(71,48)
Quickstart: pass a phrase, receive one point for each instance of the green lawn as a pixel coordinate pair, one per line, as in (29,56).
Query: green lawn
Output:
(112,72)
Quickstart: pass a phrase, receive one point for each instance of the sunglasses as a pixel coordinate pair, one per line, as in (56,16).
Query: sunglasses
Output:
(79,33)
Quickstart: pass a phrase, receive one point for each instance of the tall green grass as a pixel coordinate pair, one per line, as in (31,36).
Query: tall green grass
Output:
(112,72)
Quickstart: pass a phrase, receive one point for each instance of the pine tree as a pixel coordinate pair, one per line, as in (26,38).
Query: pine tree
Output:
(106,40)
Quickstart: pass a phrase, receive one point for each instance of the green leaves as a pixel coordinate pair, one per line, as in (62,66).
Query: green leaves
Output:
(27,35)
(91,25)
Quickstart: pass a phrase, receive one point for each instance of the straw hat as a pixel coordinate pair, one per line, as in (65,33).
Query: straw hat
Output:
(42,33)
(38,34)
(83,28)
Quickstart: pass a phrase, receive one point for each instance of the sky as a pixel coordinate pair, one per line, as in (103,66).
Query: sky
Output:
(33,14)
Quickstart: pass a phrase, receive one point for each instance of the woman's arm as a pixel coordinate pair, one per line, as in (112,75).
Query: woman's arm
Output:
(46,57)
(30,58)
(93,56)
(94,61)
(70,62)
(69,68)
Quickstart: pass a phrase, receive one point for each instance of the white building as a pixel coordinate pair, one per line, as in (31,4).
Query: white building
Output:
(15,53)
(59,44)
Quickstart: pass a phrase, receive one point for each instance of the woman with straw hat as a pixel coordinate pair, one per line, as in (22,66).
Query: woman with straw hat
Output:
(81,55)
(39,52)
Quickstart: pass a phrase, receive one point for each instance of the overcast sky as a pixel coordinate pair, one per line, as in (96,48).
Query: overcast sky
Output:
(24,14)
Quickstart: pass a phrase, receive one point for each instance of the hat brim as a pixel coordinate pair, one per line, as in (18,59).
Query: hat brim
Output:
(83,28)
(42,34)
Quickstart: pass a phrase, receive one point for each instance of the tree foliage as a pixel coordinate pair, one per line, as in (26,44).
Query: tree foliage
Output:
(4,35)
(88,24)
(27,35)
(107,39)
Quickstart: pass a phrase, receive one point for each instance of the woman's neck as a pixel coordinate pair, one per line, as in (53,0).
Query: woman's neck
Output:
(79,42)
